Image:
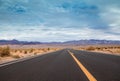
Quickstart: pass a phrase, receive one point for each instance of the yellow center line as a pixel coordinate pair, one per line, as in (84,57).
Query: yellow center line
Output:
(86,72)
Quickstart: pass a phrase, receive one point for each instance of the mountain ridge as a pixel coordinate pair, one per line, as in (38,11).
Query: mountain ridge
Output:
(73,42)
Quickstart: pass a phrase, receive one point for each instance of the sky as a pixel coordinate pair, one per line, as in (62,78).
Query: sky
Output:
(59,20)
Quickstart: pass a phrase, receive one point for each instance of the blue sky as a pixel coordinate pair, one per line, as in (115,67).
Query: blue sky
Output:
(59,20)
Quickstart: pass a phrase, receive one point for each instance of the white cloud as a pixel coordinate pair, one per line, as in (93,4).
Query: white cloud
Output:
(55,34)
(45,20)
(112,16)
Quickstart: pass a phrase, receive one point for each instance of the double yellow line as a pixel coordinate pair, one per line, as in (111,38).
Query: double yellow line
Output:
(86,72)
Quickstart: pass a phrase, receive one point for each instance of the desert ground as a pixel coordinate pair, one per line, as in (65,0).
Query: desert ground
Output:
(14,52)
(107,49)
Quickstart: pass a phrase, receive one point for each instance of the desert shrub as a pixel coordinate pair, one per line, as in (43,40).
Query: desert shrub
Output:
(105,48)
(25,52)
(110,47)
(90,48)
(20,51)
(48,49)
(5,51)
(100,48)
(31,50)
(118,47)
(15,51)
(16,56)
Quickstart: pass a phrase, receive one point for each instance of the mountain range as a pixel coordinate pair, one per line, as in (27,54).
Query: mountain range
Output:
(74,42)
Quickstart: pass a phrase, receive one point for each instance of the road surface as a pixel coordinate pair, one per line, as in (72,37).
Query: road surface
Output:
(64,65)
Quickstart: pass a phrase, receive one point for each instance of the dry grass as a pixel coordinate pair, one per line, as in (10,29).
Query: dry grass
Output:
(111,49)
(8,54)
(5,51)
(90,48)
(16,56)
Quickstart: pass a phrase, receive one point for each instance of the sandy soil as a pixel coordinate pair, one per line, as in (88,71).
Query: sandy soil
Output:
(106,49)
(17,55)
(6,59)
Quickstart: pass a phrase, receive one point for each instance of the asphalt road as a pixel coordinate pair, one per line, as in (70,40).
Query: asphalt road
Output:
(60,66)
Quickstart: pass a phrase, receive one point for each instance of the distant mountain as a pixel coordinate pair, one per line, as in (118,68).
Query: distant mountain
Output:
(4,42)
(75,42)
(92,42)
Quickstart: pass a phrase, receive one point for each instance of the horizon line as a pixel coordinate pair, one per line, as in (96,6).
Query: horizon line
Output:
(56,41)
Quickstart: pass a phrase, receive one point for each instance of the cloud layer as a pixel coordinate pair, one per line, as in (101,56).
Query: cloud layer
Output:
(61,20)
